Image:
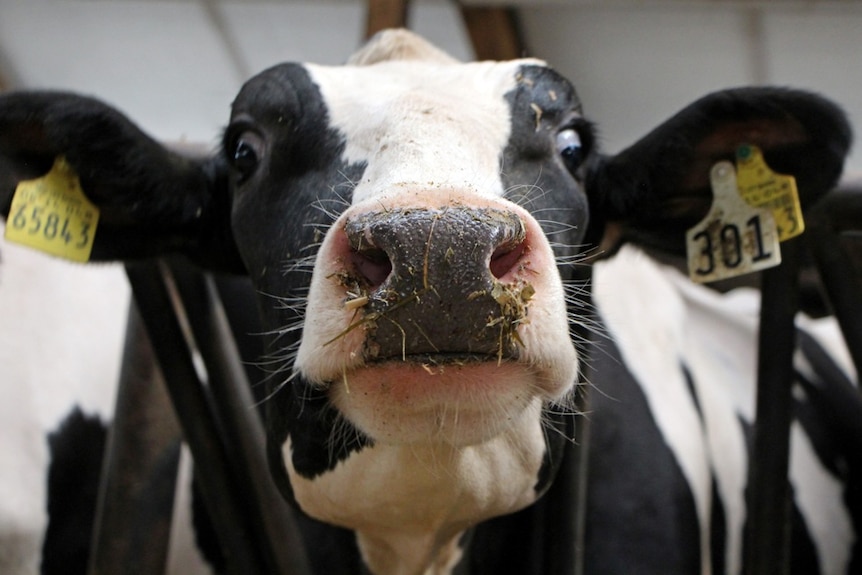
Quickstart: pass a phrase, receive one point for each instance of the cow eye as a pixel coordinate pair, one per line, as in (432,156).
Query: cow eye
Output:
(246,152)
(570,148)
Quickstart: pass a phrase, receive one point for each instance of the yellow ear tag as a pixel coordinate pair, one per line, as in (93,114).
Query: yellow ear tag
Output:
(734,238)
(52,214)
(761,187)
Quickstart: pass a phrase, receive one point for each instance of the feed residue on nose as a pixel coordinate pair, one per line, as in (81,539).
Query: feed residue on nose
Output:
(423,300)
(513,300)
(356,302)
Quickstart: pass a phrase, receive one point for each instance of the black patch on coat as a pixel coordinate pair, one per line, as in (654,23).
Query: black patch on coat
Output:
(280,212)
(320,436)
(640,510)
(533,174)
(77,449)
(830,413)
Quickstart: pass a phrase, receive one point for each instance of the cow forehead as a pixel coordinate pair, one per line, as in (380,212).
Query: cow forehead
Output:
(411,120)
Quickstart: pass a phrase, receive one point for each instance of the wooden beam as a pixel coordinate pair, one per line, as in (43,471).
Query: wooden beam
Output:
(384,14)
(7,74)
(494,32)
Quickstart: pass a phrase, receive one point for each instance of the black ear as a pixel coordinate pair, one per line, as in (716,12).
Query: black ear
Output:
(659,187)
(152,200)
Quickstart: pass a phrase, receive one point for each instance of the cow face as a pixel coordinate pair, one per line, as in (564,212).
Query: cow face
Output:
(420,296)
(414,181)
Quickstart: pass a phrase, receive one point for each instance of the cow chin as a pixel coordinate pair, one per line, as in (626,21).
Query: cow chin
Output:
(458,402)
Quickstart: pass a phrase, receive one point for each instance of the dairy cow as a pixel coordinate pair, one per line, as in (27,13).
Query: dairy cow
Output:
(412,226)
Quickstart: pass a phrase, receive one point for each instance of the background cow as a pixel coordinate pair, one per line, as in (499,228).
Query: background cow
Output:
(420,317)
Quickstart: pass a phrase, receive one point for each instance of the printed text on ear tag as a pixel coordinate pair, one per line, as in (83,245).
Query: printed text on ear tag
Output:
(52,214)
(734,238)
(761,187)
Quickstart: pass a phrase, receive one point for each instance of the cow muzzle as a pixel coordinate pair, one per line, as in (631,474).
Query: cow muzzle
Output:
(439,285)
(446,322)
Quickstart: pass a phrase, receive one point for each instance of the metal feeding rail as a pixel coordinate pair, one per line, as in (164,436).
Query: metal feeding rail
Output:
(182,313)
(829,225)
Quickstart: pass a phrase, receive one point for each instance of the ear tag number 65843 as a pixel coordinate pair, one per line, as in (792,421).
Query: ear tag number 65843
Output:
(52,214)
(734,238)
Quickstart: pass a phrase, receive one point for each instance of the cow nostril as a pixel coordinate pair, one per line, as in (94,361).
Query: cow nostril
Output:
(372,264)
(505,257)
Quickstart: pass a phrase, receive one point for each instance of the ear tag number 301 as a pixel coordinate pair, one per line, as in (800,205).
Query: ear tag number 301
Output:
(734,238)
(52,214)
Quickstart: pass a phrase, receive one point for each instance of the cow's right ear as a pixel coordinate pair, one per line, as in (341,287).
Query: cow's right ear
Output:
(653,191)
(152,200)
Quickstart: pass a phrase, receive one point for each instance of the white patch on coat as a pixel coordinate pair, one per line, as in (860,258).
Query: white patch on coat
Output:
(724,328)
(721,353)
(819,495)
(647,319)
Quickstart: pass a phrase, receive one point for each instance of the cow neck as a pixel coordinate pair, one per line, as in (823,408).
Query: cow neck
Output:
(419,499)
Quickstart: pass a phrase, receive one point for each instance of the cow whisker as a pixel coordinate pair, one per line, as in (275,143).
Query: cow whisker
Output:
(277,389)
(374,316)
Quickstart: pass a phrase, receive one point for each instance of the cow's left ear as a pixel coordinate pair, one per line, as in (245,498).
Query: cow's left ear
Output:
(655,190)
(151,200)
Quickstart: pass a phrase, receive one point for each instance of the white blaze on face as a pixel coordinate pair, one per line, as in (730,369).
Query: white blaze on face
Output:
(415,124)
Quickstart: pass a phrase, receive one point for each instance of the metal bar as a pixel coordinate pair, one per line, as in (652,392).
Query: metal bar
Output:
(839,279)
(494,32)
(240,425)
(218,20)
(564,549)
(580,453)
(841,209)
(232,524)
(133,520)
(9,77)
(768,527)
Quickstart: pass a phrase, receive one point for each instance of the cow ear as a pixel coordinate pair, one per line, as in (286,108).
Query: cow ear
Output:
(152,200)
(653,191)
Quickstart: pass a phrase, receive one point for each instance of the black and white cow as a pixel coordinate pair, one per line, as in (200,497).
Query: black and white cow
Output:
(412,226)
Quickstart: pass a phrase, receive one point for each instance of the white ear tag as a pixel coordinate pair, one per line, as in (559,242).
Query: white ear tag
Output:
(734,238)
